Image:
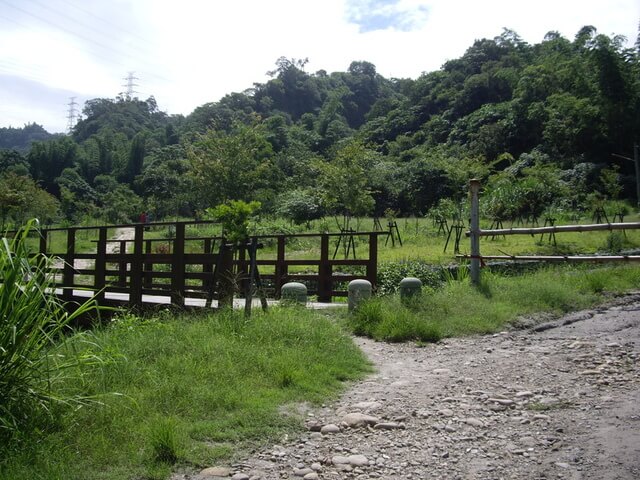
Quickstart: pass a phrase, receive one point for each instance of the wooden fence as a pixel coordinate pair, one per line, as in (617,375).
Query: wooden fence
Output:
(186,270)
(475,233)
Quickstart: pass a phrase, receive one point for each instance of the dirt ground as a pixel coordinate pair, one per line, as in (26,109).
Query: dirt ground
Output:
(559,399)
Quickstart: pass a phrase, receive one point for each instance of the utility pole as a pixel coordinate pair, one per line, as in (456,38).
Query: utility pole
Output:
(72,114)
(130,84)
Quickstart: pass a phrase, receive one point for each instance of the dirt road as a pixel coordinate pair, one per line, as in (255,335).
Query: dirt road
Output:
(560,400)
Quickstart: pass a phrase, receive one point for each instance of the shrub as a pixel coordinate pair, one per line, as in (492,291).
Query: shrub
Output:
(390,274)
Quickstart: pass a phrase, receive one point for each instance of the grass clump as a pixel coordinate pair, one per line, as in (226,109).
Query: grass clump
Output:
(387,318)
(195,390)
(458,308)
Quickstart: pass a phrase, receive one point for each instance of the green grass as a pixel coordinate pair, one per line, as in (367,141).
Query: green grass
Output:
(191,391)
(459,309)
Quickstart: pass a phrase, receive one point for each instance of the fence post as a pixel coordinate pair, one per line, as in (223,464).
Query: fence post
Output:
(68,269)
(135,287)
(474,188)
(372,266)
(100,267)
(178,267)
(148,267)
(325,282)
(281,270)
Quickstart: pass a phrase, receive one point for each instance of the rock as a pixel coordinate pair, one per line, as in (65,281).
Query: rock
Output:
(330,428)
(502,401)
(442,371)
(240,476)
(316,467)
(388,426)
(315,436)
(524,394)
(301,472)
(311,476)
(340,460)
(474,422)
(358,460)
(359,420)
(215,472)
(446,412)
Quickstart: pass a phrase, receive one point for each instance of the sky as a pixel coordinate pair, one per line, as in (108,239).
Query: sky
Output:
(189,52)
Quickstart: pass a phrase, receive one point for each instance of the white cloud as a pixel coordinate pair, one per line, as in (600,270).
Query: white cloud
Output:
(194,51)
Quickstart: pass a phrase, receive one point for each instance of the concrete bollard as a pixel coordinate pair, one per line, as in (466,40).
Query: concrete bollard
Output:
(294,292)
(410,287)
(359,290)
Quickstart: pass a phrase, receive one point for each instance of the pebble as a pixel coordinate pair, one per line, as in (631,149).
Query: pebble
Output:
(216,472)
(330,428)
(359,419)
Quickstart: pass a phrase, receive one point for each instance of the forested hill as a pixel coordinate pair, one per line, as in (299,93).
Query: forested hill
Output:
(535,122)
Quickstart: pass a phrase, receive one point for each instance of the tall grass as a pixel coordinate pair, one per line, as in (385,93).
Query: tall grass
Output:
(458,308)
(34,356)
(196,390)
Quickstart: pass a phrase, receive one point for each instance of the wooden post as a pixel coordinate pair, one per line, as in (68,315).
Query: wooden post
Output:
(226,285)
(372,266)
(135,275)
(636,161)
(324,271)
(99,281)
(178,267)
(474,188)
(69,267)
(43,242)
(281,270)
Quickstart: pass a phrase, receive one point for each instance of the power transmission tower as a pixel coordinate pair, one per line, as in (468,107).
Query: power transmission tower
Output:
(130,84)
(72,114)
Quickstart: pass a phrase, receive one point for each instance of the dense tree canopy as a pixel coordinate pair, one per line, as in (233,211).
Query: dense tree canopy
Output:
(538,123)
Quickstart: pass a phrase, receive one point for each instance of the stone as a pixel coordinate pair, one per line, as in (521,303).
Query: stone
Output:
(301,472)
(388,426)
(240,476)
(215,472)
(358,460)
(330,428)
(359,419)
(446,412)
(340,460)
(474,422)
(441,371)
(311,476)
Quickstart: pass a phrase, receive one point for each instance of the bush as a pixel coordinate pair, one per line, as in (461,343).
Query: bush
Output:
(390,274)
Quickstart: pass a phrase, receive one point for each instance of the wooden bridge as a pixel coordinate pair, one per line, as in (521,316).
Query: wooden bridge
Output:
(175,263)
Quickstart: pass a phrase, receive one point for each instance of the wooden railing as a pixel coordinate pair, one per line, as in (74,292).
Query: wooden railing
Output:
(185,270)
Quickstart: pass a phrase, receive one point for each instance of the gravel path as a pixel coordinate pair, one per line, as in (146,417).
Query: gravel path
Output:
(558,400)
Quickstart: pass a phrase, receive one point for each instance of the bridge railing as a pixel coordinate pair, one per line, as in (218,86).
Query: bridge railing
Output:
(132,264)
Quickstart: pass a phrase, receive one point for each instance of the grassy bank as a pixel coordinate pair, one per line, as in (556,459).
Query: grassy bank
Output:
(457,309)
(189,391)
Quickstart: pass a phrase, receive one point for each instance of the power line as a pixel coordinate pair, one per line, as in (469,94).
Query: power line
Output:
(107,48)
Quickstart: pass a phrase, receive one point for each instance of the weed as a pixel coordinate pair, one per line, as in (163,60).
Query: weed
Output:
(164,440)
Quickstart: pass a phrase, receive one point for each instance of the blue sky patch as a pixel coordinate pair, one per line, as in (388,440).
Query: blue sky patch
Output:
(372,15)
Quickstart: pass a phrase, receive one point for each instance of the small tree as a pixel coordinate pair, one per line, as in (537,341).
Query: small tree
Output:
(234,216)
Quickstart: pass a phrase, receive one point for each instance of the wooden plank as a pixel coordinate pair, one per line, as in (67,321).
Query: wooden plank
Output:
(559,258)
(559,229)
